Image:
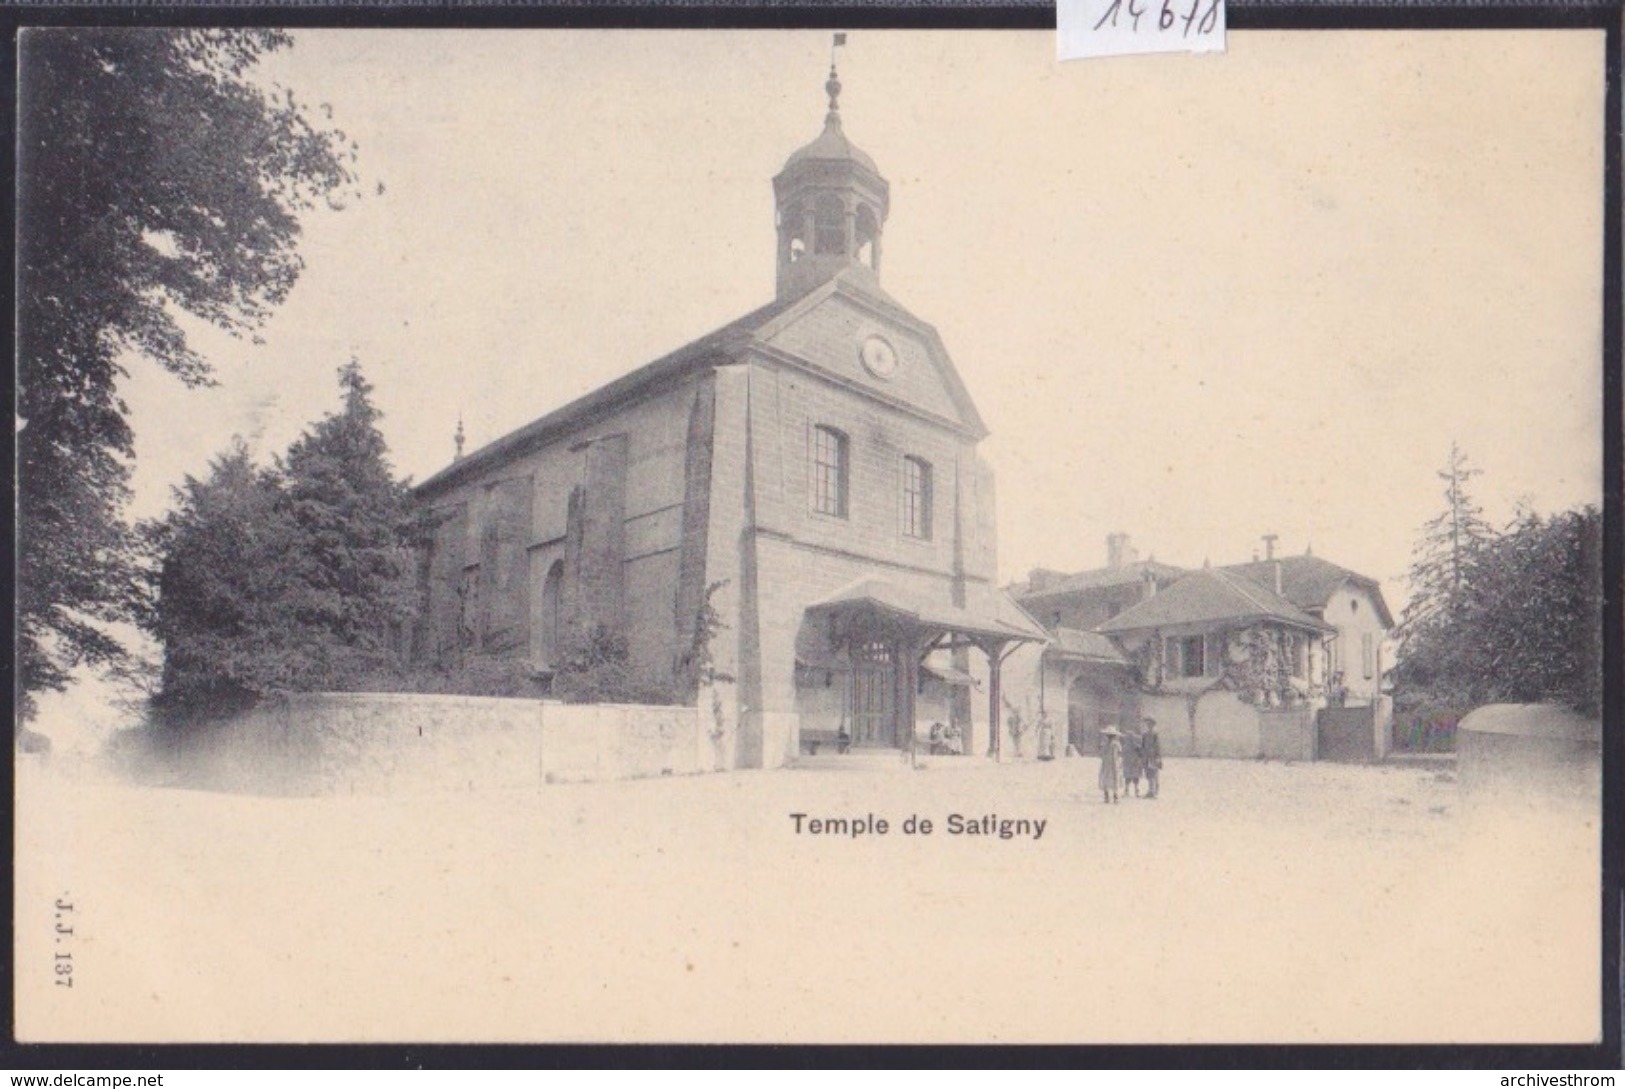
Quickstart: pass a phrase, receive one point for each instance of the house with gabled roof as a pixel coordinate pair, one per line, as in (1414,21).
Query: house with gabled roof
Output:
(1273,642)
(1207,627)
(1350,602)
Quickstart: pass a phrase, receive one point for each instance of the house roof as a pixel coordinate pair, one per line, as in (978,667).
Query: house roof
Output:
(1102,578)
(1085,645)
(1309,581)
(1210,596)
(996,614)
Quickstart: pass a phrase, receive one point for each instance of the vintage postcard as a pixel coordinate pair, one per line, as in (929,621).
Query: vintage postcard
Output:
(789,537)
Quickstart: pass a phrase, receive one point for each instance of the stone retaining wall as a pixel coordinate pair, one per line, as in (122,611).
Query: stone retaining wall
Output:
(370,743)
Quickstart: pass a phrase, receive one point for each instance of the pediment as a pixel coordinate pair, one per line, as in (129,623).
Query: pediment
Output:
(865,340)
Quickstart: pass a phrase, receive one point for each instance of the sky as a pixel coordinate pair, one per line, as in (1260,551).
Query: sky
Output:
(1196,299)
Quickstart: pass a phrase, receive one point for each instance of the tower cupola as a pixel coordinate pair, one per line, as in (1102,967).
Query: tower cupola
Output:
(831,203)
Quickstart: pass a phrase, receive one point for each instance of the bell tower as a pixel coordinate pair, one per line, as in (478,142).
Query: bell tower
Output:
(831,203)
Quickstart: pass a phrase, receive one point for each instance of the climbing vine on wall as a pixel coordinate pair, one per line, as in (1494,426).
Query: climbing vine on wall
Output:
(1258,666)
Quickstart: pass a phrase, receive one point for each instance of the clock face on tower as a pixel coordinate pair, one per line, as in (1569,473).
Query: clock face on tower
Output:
(879,357)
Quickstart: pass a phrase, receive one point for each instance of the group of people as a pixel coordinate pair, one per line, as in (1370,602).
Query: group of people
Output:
(1126,758)
(946,740)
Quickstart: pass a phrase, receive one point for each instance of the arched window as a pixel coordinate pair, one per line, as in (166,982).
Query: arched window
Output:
(829,471)
(549,618)
(867,237)
(829,227)
(793,229)
(917,498)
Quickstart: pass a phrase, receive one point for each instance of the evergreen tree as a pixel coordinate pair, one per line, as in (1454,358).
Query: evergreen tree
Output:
(299,578)
(228,552)
(356,588)
(153,177)
(1430,658)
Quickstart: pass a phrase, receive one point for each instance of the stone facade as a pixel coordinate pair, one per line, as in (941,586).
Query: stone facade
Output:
(601,512)
(819,441)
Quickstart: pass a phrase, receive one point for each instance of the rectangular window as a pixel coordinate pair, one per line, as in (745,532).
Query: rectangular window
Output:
(829,466)
(917,498)
(1192,659)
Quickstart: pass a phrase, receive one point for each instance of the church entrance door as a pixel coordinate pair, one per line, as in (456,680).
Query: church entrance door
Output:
(874,695)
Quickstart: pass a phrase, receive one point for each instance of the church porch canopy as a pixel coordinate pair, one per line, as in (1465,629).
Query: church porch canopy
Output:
(874,610)
(879,603)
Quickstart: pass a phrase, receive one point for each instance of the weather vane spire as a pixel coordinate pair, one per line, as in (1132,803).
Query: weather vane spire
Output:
(832,87)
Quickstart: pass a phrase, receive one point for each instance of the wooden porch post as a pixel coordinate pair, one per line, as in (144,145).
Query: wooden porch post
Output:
(994,649)
(908,673)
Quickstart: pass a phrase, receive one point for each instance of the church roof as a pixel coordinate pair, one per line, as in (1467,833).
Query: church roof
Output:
(1210,596)
(717,348)
(720,346)
(832,145)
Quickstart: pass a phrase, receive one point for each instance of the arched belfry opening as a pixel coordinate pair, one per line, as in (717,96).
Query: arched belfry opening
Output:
(832,204)
(866,238)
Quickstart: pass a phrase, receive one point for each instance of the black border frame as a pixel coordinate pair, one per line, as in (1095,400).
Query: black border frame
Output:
(1608,15)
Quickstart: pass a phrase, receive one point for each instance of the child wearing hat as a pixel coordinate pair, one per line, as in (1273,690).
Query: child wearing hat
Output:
(1111,764)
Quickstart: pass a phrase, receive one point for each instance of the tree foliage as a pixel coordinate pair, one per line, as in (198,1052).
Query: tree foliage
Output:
(356,587)
(1442,561)
(1511,616)
(1446,550)
(154,178)
(226,550)
(1530,618)
(300,577)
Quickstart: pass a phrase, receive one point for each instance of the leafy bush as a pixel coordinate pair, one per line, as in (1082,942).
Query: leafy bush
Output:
(597,668)
(1426,728)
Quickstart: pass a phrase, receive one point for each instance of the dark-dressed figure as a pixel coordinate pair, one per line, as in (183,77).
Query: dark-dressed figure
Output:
(1133,762)
(1151,756)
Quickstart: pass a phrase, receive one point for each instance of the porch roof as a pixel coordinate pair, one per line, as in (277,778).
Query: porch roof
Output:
(995,616)
(1085,646)
(950,675)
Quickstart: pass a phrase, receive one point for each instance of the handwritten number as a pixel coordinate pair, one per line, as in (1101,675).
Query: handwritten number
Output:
(1210,20)
(1190,17)
(1166,19)
(1111,14)
(1136,12)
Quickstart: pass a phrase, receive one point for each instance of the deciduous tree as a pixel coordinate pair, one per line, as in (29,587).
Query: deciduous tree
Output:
(154,177)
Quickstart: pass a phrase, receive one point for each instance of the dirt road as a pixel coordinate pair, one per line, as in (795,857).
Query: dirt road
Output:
(1251,902)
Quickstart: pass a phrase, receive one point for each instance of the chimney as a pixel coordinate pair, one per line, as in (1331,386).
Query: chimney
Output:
(1277,565)
(1269,545)
(1116,544)
(1148,585)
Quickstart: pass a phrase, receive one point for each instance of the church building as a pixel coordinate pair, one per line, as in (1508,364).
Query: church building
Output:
(811,469)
